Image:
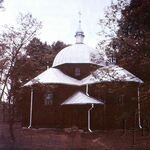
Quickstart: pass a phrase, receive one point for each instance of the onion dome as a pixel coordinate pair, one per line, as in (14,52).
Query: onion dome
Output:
(79,53)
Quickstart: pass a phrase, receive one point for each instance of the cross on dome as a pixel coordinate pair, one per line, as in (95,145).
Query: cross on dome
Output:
(79,33)
(79,29)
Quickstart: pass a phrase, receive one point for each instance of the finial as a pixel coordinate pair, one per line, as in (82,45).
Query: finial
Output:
(79,16)
(79,29)
(79,34)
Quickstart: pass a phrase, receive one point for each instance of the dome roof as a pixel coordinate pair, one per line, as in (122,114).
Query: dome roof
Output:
(78,54)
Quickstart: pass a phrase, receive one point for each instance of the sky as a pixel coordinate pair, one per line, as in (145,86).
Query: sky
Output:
(59,17)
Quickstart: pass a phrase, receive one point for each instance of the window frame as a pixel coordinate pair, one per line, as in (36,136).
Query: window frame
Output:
(48,98)
(77,71)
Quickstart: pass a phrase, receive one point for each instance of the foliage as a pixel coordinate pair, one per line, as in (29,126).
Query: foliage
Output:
(13,40)
(109,25)
(38,57)
(126,26)
(1,1)
(133,38)
(133,43)
(126,32)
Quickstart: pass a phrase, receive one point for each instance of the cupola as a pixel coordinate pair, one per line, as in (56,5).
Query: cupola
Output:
(79,33)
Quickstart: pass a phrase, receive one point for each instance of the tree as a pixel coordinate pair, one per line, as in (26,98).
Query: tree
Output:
(38,57)
(133,38)
(1,1)
(126,31)
(109,26)
(133,43)
(33,62)
(130,42)
(13,41)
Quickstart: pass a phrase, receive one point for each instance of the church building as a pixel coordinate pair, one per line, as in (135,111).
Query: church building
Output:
(80,89)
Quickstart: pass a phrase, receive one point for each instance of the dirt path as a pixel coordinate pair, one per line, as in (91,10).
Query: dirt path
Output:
(52,139)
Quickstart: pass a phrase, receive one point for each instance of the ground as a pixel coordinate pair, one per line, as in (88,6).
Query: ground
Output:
(71,139)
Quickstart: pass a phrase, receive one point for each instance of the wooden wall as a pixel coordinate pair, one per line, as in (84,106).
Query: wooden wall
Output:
(109,116)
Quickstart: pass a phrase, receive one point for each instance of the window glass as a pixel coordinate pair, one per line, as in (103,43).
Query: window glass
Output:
(77,71)
(48,100)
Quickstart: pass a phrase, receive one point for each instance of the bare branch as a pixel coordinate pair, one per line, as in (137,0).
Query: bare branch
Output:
(15,39)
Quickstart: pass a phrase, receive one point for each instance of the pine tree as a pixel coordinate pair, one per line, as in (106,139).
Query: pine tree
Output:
(133,38)
(133,45)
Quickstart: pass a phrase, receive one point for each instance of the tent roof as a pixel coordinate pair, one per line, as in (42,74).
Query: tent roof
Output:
(110,74)
(80,98)
(104,74)
(52,76)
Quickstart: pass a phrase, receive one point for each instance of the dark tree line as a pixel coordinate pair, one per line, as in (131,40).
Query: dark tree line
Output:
(39,56)
(129,41)
(133,38)
(133,42)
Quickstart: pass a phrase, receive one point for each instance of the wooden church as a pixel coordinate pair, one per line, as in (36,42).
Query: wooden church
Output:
(81,89)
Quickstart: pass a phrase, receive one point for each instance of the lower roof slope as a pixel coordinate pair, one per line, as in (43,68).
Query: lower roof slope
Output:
(80,98)
(112,73)
(53,76)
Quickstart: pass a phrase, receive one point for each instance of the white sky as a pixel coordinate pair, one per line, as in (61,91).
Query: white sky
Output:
(59,17)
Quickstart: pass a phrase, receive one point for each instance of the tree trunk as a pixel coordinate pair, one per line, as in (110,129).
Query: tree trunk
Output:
(11,119)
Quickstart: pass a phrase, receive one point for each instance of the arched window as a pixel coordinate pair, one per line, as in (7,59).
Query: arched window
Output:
(48,99)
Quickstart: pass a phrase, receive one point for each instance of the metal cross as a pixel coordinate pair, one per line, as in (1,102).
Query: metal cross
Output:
(79,16)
